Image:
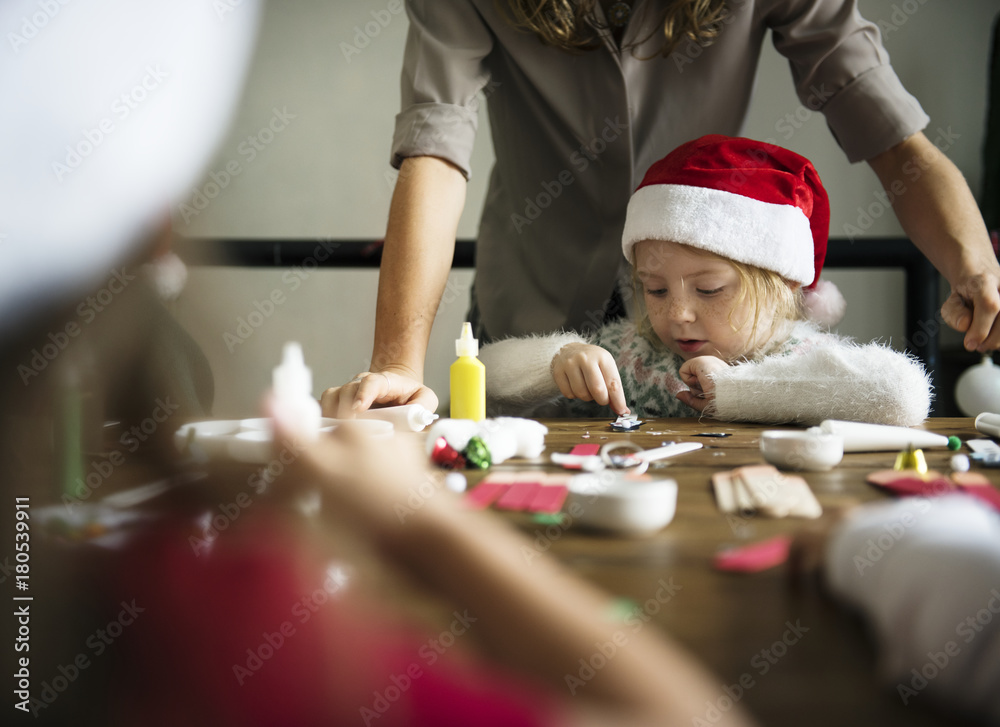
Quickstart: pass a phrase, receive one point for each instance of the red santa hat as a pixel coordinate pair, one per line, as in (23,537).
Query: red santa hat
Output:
(746,200)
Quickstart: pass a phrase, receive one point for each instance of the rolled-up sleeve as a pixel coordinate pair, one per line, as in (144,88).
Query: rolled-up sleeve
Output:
(841,68)
(443,71)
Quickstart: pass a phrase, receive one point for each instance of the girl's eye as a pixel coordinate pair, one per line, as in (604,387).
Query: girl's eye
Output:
(657,293)
(714,291)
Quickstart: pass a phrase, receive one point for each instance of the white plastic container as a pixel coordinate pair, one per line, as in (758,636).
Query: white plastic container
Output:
(612,501)
(802,450)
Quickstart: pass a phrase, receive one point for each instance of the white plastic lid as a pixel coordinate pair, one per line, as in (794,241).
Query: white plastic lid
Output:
(466,345)
(292,377)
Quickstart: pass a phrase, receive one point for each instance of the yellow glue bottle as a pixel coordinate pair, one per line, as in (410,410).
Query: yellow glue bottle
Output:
(468,379)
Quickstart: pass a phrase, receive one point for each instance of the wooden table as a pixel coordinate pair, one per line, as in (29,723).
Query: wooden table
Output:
(732,622)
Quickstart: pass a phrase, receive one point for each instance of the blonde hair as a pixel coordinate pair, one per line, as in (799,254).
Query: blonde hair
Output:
(765,290)
(564,24)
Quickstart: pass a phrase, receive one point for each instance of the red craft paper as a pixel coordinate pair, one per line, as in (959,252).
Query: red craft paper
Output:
(518,496)
(484,495)
(755,557)
(549,499)
(585,450)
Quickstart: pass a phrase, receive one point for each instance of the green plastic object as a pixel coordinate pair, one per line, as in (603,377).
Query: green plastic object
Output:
(954,443)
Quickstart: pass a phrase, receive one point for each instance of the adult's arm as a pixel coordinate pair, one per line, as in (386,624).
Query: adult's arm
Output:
(841,68)
(443,73)
(939,214)
(536,619)
(416,259)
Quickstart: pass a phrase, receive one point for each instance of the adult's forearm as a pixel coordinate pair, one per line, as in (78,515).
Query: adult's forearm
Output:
(934,205)
(419,246)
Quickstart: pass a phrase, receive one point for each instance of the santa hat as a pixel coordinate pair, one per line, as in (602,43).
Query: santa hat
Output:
(746,200)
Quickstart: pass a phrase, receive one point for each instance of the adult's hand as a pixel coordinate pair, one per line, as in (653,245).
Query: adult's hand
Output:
(940,215)
(374,389)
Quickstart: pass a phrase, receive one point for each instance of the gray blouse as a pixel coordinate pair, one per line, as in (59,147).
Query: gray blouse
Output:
(573,133)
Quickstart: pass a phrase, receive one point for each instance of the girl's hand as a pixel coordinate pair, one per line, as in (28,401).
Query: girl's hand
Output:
(589,373)
(697,374)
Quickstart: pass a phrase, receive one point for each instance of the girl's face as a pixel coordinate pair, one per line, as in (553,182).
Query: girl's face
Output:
(690,300)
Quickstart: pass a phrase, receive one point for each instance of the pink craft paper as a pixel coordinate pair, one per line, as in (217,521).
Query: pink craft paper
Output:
(485,494)
(518,496)
(906,486)
(585,450)
(549,499)
(755,557)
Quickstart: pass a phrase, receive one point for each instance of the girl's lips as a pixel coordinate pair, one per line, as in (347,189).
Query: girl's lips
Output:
(688,345)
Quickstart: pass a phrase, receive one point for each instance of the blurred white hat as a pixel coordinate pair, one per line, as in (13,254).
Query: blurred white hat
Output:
(111,109)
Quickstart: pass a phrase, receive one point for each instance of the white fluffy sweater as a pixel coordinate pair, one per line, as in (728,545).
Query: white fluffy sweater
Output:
(810,376)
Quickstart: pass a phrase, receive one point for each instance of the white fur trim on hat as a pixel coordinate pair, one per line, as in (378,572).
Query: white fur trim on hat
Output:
(772,236)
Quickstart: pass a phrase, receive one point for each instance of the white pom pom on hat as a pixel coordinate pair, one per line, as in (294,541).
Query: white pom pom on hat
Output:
(749,201)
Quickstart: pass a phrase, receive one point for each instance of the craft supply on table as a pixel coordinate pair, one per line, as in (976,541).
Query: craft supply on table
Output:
(504,437)
(626,423)
(291,383)
(468,379)
(594,457)
(860,437)
(755,557)
(406,418)
(535,492)
(988,423)
(802,450)
(250,440)
(764,490)
(910,483)
(621,502)
(911,459)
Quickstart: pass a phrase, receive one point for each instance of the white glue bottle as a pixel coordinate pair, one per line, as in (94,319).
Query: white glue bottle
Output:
(292,386)
(405,418)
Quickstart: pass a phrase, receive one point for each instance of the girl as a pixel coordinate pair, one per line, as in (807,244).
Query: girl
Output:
(722,234)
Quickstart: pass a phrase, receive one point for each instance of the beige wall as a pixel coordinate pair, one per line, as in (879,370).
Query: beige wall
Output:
(321,170)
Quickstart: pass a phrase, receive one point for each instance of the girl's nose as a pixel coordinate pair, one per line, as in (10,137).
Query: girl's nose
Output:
(679,308)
